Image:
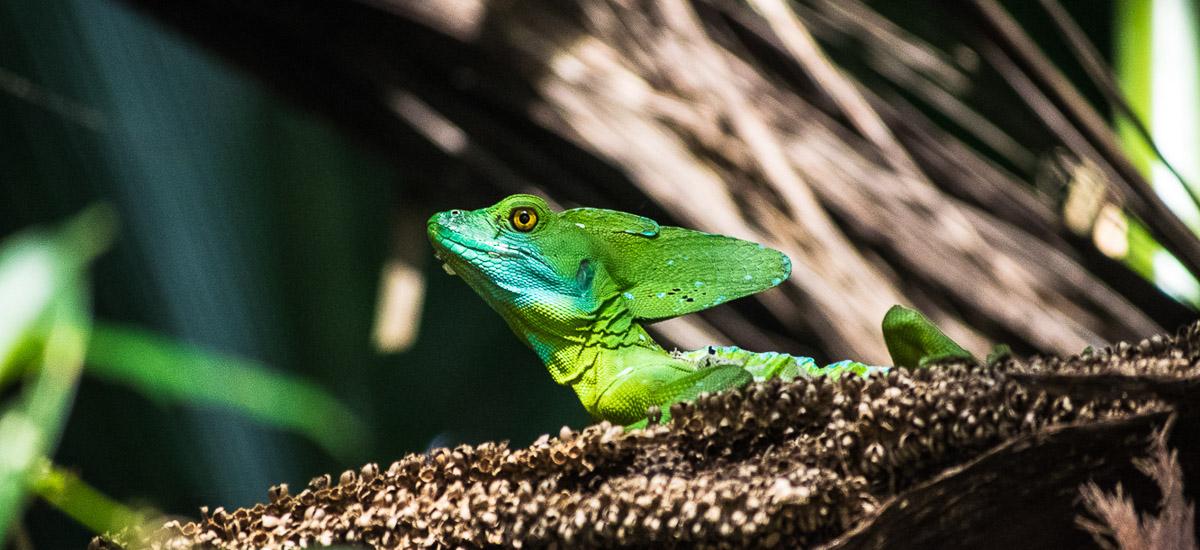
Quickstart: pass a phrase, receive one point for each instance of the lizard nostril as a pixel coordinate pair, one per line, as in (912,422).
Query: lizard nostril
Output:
(455,212)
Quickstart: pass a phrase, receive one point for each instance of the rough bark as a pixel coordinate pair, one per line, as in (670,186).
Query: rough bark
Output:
(949,456)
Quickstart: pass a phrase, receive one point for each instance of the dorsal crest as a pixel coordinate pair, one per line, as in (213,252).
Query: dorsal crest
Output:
(664,271)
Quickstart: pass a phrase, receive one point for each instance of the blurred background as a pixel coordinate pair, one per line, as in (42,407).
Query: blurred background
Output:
(254,178)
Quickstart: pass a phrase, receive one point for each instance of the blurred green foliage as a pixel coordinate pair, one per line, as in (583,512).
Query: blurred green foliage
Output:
(43,298)
(166,371)
(1152,41)
(84,504)
(248,227)
(47,332)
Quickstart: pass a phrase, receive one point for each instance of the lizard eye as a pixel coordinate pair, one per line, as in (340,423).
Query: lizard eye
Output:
(523,219)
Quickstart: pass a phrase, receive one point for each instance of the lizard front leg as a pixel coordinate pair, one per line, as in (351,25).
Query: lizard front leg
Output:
(628,397)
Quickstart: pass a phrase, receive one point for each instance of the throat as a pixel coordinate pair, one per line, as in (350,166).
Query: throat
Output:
(573,346)
(572,357)
(588,365)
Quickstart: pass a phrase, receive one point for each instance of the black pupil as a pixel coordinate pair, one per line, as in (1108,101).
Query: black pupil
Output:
(523,218)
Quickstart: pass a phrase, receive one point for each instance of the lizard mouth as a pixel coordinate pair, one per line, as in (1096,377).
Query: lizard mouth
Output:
(461,246)
(450,246)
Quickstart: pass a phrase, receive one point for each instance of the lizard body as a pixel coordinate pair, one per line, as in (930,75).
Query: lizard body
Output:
(577,286)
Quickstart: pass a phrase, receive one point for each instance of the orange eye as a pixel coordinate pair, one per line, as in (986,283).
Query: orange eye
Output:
(523,219)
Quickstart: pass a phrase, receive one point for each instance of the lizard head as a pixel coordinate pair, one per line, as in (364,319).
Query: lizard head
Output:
(515,252)
(518,252)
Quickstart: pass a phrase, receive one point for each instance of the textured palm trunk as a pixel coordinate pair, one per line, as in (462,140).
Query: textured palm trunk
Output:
(730,117)
(948,456)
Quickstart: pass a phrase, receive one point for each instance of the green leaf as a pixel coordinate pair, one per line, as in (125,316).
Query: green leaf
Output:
(43,335)
(82,502)
(168,371)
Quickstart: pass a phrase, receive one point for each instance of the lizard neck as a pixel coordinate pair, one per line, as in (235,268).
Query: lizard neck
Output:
(579,342)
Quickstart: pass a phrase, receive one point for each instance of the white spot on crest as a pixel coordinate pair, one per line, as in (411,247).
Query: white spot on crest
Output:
(628,296)
(579,225)
(748,277)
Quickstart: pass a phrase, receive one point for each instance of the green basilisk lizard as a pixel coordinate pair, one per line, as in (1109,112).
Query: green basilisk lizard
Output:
(576,286)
